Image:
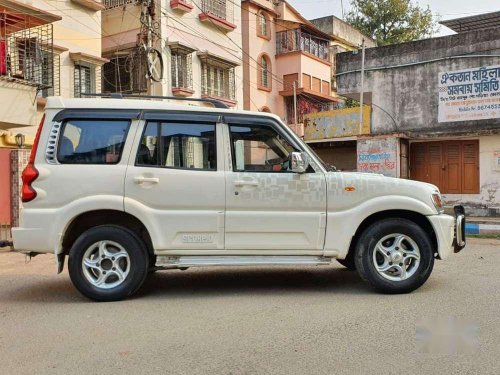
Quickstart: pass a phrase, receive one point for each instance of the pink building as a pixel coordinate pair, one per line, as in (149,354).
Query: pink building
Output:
(282,47)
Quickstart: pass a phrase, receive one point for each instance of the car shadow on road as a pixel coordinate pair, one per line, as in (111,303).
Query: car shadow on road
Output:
(279,281)
(206,283)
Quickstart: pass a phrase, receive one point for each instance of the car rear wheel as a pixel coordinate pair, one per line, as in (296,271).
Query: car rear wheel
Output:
(394,256)
(108,263)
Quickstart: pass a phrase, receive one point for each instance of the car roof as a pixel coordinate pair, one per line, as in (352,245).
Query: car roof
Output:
(57,102)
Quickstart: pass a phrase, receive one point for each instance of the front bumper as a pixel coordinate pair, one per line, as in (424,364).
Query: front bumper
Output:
(450,232)
(459,238)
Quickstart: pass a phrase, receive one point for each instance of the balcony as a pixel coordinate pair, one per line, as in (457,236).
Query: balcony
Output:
(219,13)
(290,41)
(183,6)
(111,4)
(26,53)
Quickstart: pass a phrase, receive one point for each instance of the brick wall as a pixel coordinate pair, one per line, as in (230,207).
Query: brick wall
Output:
(19,159)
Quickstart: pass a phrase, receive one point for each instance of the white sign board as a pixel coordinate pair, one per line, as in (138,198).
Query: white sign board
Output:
(469,94)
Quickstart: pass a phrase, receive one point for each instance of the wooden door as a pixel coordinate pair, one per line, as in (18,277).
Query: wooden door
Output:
(470,170)
(453,166)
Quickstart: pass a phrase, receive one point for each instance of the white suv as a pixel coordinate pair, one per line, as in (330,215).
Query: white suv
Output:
(126,187)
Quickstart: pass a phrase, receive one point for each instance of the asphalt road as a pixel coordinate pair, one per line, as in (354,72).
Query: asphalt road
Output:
(313,320)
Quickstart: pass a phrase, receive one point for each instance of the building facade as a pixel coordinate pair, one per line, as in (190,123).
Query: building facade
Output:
(337,144)
(281,49)
(199,42)
(46,48)
(435,111)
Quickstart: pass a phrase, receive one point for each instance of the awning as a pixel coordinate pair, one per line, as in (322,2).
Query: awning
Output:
(18,16)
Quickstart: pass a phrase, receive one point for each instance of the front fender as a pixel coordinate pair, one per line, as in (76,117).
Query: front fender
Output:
(342,225)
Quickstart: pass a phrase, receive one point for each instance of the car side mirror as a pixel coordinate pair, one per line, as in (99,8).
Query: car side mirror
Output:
(299,162)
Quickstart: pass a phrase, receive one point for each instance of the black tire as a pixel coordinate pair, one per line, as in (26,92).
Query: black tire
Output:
(348,262)
(137,253)
(366,245)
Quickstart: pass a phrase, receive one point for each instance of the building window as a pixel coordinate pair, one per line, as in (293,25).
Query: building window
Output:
(263,27)
(50,78)
(219,8)
(182,76)
(217,81)
(125,73)
(265,72)
(84,80)
(297,40)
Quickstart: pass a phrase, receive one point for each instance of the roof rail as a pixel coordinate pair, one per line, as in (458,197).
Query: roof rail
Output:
(216,103)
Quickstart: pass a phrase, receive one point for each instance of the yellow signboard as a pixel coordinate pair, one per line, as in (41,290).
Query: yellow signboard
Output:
(336,124)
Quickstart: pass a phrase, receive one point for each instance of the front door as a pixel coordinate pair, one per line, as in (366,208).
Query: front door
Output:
(175,183)
(268,207)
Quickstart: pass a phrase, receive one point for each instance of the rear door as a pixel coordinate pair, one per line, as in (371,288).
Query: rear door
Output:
(175,180)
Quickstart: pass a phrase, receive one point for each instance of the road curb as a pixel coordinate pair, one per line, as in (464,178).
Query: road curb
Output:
(479,228)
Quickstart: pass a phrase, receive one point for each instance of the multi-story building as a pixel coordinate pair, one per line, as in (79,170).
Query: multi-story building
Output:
(46,48)
(199,42)
(285,56)
(435,111)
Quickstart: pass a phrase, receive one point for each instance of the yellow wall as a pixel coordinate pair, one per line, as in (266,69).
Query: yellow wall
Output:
(336,124)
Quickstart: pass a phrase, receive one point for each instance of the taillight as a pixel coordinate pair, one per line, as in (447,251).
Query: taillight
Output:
(30,173)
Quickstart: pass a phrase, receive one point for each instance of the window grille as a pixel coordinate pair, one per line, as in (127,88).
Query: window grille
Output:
(296,40)
(26,54)
(110,4)
(182,72)
(263,25)
(126,73)
(219,8)
(84,80)
(218,81)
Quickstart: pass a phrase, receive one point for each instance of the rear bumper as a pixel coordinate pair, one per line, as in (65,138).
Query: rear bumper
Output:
(32,240)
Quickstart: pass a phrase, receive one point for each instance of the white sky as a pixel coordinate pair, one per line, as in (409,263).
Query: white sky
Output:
(445,9)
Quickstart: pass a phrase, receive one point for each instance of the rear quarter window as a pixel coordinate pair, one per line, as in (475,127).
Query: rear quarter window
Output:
(92,141)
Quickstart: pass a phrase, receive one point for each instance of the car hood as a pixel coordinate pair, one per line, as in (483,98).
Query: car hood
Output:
(346,189)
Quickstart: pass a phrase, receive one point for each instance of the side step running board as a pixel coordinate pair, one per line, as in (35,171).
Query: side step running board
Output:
(165,261)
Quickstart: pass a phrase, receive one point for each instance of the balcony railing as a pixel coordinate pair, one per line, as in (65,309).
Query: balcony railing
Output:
(26,54)
(297,40)
(110,4)
(222,9)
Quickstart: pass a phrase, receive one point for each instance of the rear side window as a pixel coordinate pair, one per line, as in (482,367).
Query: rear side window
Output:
(92,141)
(178,145)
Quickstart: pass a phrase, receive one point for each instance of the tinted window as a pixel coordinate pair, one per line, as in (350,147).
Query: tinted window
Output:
(178,145)
(92,141)
(259,149)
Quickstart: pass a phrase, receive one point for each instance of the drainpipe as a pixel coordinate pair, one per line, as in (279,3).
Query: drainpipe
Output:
(295,104)
(362,86)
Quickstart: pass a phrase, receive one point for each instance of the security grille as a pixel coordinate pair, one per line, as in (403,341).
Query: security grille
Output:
(219,8)
(182,73)
(126,73)
(110,4)
(217,81)
(26,54)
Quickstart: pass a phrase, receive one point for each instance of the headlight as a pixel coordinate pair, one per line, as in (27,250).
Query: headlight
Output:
(438,202)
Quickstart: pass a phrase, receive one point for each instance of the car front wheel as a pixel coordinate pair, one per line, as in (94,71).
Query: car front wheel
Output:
(394,256)
(108,263)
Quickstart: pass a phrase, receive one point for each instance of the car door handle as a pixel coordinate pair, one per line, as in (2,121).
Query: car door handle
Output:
(246,183)
(141,180)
